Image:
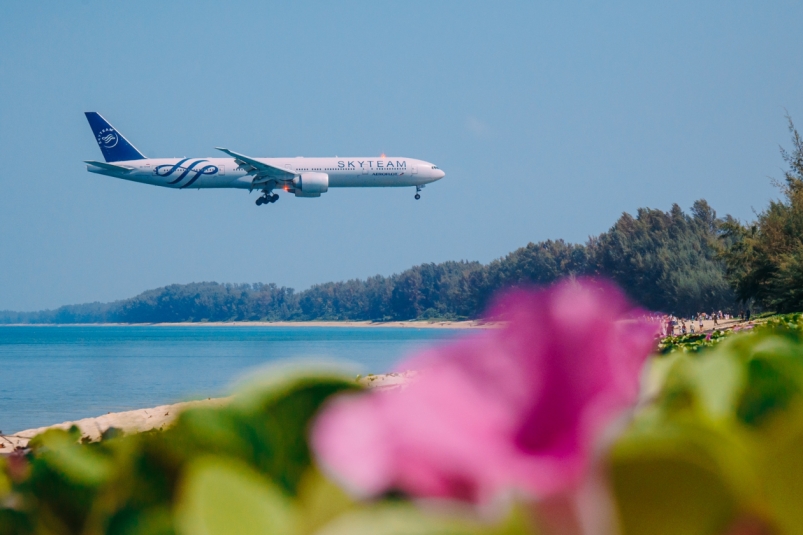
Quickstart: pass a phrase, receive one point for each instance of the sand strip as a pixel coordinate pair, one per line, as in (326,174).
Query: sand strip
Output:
(140,420)
(128,422)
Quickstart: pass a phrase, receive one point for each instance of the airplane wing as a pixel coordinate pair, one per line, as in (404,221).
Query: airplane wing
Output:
(110,166)
(261,171)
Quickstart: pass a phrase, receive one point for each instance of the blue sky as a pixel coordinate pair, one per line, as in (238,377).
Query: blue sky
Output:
(550,120)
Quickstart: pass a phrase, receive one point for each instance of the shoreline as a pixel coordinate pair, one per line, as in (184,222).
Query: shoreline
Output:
(92,429)
(141,420)
(469,324)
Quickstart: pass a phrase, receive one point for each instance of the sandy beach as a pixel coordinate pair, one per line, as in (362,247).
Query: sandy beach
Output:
(92,429)
(140,420)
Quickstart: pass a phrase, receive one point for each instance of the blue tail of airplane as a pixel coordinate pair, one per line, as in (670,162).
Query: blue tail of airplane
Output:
(113,145)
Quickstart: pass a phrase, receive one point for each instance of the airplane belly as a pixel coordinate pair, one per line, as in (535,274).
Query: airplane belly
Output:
(371,180)
(216,182)
(144,178)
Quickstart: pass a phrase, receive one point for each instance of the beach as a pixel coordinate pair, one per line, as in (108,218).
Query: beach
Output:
(141,420)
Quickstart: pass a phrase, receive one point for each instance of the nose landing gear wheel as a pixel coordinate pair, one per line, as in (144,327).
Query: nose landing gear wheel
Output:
(418,192)
(417,196)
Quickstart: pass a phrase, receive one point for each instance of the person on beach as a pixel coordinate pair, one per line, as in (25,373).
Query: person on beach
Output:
(700,319)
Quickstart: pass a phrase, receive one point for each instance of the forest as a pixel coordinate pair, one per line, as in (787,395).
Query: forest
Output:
(665,261)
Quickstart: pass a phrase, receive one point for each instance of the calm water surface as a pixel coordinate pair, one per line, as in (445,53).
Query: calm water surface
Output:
(54,374)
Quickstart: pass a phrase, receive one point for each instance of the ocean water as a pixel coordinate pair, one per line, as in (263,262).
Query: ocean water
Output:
(51,374)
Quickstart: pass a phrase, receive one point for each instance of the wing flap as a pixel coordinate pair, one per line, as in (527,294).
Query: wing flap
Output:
(261,171)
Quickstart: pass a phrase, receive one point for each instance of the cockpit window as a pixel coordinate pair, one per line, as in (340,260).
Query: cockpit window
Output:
(435,167)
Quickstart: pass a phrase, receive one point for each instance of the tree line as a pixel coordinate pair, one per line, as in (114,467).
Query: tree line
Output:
(666,261)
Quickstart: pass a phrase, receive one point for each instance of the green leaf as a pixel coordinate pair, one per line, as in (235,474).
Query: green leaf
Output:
(5,481)
(153,521)
(277,412)
(719,378)
(780,457)
(671,486)
(320,500)
(276,382)
(77,463)
(406,519)
(224,496)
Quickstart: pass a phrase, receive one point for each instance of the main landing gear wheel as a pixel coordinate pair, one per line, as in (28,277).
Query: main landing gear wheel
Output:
(267,198)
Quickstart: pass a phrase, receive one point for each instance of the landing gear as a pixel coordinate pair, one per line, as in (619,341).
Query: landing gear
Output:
(417,192)
(267,198)
(417,196)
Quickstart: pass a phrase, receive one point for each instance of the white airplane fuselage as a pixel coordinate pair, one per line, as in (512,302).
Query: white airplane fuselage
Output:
(202,173)
(303,177)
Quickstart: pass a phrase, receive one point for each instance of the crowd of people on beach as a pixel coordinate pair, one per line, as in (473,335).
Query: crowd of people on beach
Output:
(676,326)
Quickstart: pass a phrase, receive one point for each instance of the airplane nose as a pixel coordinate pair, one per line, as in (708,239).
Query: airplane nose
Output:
(439,174)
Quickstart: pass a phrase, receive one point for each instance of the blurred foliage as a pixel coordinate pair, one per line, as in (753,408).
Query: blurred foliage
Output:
(691,342)
(719,447)
(241,469)
(211,472)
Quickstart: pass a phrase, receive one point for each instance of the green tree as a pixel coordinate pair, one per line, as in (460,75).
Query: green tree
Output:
(666,261)
(764,260)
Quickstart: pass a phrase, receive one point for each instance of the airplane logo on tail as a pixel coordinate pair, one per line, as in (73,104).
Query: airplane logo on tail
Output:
(107,138)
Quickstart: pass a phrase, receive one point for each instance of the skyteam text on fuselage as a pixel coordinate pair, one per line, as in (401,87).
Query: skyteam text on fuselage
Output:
(304,177)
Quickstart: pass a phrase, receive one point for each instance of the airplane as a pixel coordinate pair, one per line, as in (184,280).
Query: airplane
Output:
(303,177)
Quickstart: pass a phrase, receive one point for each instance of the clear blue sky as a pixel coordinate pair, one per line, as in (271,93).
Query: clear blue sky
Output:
(549,118)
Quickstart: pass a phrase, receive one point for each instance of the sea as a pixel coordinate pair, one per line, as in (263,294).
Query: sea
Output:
(53,374)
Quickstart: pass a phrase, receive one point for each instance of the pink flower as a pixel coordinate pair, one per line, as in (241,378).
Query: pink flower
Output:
(511,409)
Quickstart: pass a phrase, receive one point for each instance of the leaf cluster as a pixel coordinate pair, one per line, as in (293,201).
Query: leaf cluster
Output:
(718,447)
(152,482)
(245,468)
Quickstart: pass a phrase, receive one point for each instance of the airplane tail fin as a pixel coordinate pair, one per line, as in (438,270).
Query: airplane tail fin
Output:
(113,145)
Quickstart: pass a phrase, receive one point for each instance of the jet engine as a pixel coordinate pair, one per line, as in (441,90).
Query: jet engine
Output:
(310,184)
